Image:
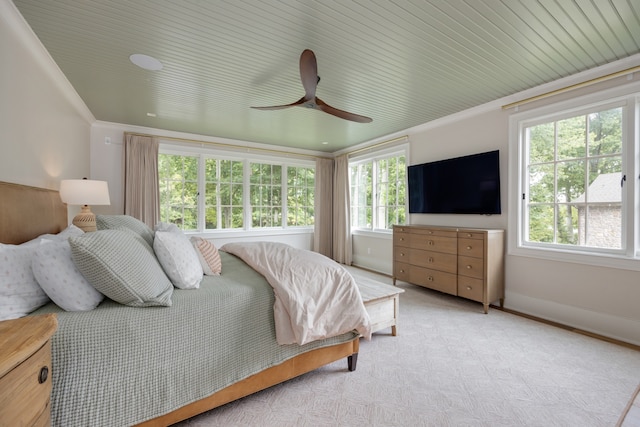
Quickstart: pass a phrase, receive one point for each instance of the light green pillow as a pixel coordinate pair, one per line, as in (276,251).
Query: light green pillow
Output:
(125,222)
(122,266)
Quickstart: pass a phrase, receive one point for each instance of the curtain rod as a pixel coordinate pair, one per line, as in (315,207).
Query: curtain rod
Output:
(226,145)
(379,144)
(572,87)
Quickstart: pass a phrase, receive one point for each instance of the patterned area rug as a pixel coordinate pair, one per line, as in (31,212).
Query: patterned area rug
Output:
(452,365)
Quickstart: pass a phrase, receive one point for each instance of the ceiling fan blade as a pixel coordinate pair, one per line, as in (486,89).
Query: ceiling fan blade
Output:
(323,106)
(280,107)
(309,73)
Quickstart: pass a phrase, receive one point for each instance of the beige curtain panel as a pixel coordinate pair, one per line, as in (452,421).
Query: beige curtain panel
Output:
(323,208)
(342,246)
(141,188)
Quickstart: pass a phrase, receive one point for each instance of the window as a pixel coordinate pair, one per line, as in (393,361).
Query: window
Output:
(300,200)
(574,180)
(576,184)
(378,191)
(203,192)
(179,190)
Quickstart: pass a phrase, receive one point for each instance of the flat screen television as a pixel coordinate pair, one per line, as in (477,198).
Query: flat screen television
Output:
(462,185)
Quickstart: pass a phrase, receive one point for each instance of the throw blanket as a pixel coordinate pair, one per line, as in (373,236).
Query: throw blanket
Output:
(315,297)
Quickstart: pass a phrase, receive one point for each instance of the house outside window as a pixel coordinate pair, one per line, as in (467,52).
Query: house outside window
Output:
(205,192)
(378,190)
(577,167)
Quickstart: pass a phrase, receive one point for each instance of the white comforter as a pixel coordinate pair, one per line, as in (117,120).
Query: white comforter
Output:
(315,296)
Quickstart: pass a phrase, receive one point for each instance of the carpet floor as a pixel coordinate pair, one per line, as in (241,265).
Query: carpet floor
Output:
(452,365)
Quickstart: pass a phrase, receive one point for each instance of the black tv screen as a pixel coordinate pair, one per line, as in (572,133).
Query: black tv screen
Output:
(462,185)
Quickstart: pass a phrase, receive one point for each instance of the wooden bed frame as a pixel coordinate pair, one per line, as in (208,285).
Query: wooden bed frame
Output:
(27,212)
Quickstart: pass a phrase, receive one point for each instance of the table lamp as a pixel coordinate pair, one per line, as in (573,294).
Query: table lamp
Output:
(84,192)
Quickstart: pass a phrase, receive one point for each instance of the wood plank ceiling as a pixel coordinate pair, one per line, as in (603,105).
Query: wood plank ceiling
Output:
(400,62)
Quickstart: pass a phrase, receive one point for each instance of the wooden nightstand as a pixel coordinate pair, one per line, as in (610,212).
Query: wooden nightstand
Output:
(25,370)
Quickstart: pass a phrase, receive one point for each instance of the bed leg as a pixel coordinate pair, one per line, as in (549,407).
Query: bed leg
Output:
(352,361)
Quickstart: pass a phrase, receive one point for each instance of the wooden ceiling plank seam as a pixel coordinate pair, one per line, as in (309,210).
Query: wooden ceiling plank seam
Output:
(602,42)
(531,41)
(618,12)
(553,44)
(486,52)
(566,19)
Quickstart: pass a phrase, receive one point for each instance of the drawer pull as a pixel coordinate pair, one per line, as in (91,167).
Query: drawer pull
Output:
(469,235)
(430,242)
(430,278)
(429,232)
(401,271)
(401,253)
(402,239)
(43,375)
(430,259)
(469,288)
(468,248)
(468,267)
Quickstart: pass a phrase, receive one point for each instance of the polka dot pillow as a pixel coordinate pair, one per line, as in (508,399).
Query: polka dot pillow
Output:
(178,259)
(20,293)
(58,276)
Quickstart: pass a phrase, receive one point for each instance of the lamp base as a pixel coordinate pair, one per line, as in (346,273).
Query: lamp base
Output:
(85,220)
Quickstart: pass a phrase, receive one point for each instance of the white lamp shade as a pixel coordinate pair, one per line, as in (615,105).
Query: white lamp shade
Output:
(84,192)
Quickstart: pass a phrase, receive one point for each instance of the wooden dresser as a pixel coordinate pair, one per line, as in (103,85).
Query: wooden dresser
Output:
(459,261)
(25,370)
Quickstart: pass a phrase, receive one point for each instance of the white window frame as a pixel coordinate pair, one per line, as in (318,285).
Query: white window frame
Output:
(629,256)
(375,156)
(202,152)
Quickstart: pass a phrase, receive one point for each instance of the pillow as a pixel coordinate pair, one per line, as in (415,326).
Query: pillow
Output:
(58,276)
(167,226)
(20,293)
(122,266)
(70,231)
(125,222)
(208,256)
(178,259)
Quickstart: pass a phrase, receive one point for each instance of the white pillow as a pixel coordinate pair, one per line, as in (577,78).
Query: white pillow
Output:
(20,293)
(70,231)
(208,256)
(167,226)
(178,259)
(59,277)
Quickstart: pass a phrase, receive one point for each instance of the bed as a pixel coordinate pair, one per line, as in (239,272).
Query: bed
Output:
(155,366)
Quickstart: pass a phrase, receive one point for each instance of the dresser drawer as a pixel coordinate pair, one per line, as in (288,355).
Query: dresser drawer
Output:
(470,288)
(401,239)
(401,254)
(401,271)
(433,279)
(471,234)
(434,260)
(471,267)
(25,391)
(471,247)
(442,244)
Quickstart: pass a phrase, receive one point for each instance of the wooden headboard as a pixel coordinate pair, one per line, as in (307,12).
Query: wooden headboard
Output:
(27,212)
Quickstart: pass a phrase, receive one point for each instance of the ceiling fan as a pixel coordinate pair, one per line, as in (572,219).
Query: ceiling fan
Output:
(310,80)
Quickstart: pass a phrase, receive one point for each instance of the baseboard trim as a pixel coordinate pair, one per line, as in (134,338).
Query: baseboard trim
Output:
(568,328)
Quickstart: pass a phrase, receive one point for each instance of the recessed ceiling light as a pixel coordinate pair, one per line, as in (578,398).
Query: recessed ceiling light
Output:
(325,143)
(151,114)
(145,61)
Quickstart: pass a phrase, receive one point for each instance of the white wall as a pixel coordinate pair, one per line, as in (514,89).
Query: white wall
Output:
(44,127)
